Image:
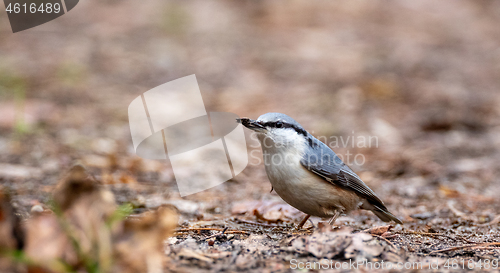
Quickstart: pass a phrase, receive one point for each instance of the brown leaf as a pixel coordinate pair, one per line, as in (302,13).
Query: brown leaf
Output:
(75,185)
(324,245)
(447,192)
(379,230)
(271,211)
(341,242)
(46,241)
(78,230)
(10,224)
(139,245)
(11,232)
(363,247)
(117,178)
(81,233)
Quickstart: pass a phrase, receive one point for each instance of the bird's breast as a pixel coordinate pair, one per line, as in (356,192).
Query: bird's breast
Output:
(305,190)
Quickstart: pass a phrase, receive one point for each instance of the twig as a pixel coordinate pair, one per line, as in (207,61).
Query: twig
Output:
(196,229)
(387,241)
(482,245)
(259,224)
(425,233)
(434,244)
(223,230)
(219,234)
(434,235)
(488,247)
(301,232)
(451,206)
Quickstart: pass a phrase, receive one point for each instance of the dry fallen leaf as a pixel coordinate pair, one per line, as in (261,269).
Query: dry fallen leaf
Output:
(11,232)
(322,245)
(78,231)
(379,230)
(10,224)
(363,246)
(338,244)
(84,232)
(449,193)
(271,211)
(118,178)
(139,244)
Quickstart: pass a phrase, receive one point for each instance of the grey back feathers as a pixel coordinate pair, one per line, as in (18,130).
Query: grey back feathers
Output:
(321,160)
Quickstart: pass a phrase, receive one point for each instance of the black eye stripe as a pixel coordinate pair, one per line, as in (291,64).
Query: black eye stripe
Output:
(273,124)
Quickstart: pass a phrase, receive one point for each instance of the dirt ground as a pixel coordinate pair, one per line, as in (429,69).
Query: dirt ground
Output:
(422,78)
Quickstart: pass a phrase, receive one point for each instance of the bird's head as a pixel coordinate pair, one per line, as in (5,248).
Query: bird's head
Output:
(276,129)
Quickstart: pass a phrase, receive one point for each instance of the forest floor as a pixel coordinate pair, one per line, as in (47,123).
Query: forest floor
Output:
(421,77)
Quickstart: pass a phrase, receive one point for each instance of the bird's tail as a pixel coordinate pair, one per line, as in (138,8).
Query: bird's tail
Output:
(381,213)
(386,216)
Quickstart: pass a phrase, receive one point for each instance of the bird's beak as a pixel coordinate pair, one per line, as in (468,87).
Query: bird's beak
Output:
(251,124)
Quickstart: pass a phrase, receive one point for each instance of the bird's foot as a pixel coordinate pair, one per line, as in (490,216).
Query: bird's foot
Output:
(301,224)
(335,216)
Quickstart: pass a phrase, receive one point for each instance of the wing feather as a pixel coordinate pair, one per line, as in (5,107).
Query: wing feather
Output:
(322,161)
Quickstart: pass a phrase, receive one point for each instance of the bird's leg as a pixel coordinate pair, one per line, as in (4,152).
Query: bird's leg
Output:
(335,216)
(303,222)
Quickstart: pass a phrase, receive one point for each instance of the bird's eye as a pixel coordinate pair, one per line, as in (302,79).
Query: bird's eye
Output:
(279,124)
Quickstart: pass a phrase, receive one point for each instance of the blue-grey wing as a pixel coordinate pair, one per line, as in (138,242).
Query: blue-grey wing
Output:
(322,161)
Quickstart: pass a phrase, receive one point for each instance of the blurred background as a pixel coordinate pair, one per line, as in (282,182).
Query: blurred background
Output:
(421,76)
